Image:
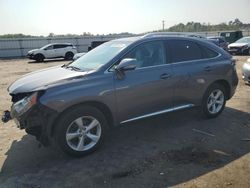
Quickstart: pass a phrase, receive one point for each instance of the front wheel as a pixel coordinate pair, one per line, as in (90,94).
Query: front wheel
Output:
(214,101)
(81,131)
(39,57)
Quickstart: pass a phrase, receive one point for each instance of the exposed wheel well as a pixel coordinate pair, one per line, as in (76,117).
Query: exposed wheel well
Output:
(100,106)
(40,54)
(226,86)
(69,52)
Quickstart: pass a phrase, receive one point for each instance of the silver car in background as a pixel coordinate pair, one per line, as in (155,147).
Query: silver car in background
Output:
(246,71)
(78,55)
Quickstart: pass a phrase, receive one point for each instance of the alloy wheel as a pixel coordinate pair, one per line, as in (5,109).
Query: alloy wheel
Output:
(83,133)
(215,101)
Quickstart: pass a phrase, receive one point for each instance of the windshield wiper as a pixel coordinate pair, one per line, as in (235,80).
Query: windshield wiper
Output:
(72,67)
(68,66)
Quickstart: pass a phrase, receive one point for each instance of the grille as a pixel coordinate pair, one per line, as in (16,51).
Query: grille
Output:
(236,48)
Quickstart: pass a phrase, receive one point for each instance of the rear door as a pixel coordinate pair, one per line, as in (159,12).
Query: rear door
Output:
(147,89)
(193,70)
(59,50)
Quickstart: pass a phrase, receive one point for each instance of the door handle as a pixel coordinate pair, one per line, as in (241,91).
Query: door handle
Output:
(165,76)
(208,68)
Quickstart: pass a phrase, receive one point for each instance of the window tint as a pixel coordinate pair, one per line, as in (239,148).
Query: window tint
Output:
(148,54)
(49,47)
(57,46)
(207,53)
(182,50)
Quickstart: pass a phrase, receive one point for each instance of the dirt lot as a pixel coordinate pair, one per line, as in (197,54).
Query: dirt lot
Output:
(162,151)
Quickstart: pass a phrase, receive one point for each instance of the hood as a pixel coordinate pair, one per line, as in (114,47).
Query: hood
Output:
(31,51)
(237,44)
(38,79)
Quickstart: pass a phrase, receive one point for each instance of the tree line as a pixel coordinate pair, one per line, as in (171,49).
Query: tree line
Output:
(236,24)
(200,27)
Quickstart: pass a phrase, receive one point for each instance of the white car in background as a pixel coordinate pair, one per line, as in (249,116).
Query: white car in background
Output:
(54,50)
(241,46)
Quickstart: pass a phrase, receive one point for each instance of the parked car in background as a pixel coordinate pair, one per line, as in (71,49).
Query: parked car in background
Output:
(246,71)
(78,55)
(240,47)
(54,50)
(221,41)
(121,81)
(232,36)
(216,42)
(93,45)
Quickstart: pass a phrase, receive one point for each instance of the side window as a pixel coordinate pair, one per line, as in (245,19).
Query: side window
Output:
(182,50)
(49,48)
(207,53)
(57,46)
(148,54)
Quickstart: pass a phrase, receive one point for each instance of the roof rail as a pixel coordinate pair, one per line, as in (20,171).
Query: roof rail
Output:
(187,34)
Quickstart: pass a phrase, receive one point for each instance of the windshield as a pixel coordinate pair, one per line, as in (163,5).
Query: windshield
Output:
(100,55)
(46,46)
(243,40)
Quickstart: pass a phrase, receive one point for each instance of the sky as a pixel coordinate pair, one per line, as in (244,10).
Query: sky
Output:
(41,17)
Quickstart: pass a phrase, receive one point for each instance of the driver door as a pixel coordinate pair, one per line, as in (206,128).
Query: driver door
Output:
(147,89)
(49,51)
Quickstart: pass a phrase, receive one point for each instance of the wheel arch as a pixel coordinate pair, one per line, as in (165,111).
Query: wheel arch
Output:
(69,51)
(99,105)
(40,54)
(225,84)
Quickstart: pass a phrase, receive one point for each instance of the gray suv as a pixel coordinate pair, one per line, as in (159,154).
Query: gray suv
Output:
(122,81)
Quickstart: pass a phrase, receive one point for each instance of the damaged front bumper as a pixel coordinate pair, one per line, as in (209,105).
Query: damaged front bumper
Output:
(6,116)
(37,121)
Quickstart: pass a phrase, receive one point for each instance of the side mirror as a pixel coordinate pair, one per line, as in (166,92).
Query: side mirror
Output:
(126,64)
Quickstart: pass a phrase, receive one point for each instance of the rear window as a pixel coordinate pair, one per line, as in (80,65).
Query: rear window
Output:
(208,53)
(182,50)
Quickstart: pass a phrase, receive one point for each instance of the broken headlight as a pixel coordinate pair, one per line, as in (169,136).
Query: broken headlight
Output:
(25,104)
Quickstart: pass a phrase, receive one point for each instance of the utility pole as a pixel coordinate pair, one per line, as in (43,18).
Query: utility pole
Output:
(163,25)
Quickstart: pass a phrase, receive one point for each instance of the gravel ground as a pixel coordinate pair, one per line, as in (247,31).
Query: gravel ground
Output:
(162,151)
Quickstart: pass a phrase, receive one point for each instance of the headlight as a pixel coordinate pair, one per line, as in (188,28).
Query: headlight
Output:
(25,104)
(245,47)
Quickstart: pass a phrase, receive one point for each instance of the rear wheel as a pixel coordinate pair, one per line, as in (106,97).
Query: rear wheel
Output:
(69,56)
(214,101)
(81,131)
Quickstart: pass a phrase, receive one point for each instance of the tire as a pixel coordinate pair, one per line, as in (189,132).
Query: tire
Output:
(69,56)
(72,134)
(39,57)
(214,100)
